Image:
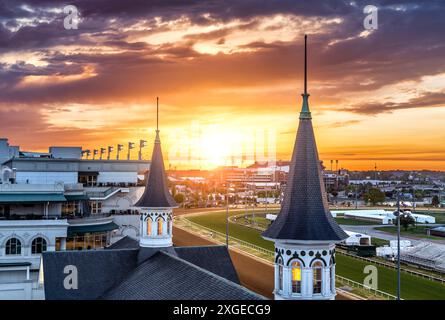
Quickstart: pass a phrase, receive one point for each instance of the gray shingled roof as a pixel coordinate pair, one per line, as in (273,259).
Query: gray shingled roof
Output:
(166,277)
(215,259)
(97,271)
(304,213)
(108,271)
(156,194)
(124,243)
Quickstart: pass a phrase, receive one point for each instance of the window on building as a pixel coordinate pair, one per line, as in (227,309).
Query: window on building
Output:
(13,246)
(96,207)
(280,274)
(70,208)
(169,225)
(88,180)
(317,269)
(332,275)
(149,226)
(296,277)
(160,225)
(38,245)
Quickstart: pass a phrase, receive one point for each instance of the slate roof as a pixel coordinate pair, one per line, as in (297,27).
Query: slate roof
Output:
(215,259)
(124,243)
(97,271)
(166,277)
(304,214)
(135,273)
(156,194)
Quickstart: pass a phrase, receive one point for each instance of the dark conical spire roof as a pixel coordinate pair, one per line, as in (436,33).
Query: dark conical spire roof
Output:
(156,194)
(304,214)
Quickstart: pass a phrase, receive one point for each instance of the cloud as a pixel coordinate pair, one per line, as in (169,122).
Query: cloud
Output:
(425,100)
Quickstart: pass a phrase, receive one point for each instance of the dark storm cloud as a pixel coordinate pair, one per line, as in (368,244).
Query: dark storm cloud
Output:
(408,45)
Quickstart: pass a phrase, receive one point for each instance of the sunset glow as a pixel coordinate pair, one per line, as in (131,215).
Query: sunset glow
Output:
(376,96)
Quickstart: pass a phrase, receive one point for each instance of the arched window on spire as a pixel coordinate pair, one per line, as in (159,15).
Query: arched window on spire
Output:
(317,269)
(280,273)
(169,225)
(332,275)
(296,277)
(160,226)
(149,227)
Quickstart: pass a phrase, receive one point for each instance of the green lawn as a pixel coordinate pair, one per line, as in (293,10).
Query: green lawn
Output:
(419,231)
(379,242)
(412,287)
(353,222)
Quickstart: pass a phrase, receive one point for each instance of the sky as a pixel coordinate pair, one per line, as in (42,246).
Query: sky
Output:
(229,76)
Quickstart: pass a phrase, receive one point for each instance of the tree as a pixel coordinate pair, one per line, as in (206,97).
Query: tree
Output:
(435,201)
(374,195)
(179,198)
(405,220)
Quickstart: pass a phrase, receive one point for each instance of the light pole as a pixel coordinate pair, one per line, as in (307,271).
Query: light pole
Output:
(356,195)
(227,214)
(398,245)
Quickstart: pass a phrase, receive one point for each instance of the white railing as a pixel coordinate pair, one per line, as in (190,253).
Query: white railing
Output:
(359,285)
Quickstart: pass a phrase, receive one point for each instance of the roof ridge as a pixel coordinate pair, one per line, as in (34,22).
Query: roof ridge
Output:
(214,275)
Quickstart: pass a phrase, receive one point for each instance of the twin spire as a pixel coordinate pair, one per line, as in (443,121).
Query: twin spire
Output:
(304,214)
(156,193)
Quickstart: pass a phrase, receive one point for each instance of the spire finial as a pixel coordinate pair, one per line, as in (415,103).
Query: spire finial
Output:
(305,113)
(157,113)
(305,64)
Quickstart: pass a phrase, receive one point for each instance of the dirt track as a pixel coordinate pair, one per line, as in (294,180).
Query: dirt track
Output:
(253,274)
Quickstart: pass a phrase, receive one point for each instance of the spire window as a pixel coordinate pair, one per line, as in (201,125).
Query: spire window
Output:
(296,277)
(317,269)
(160,226)
(149,227)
